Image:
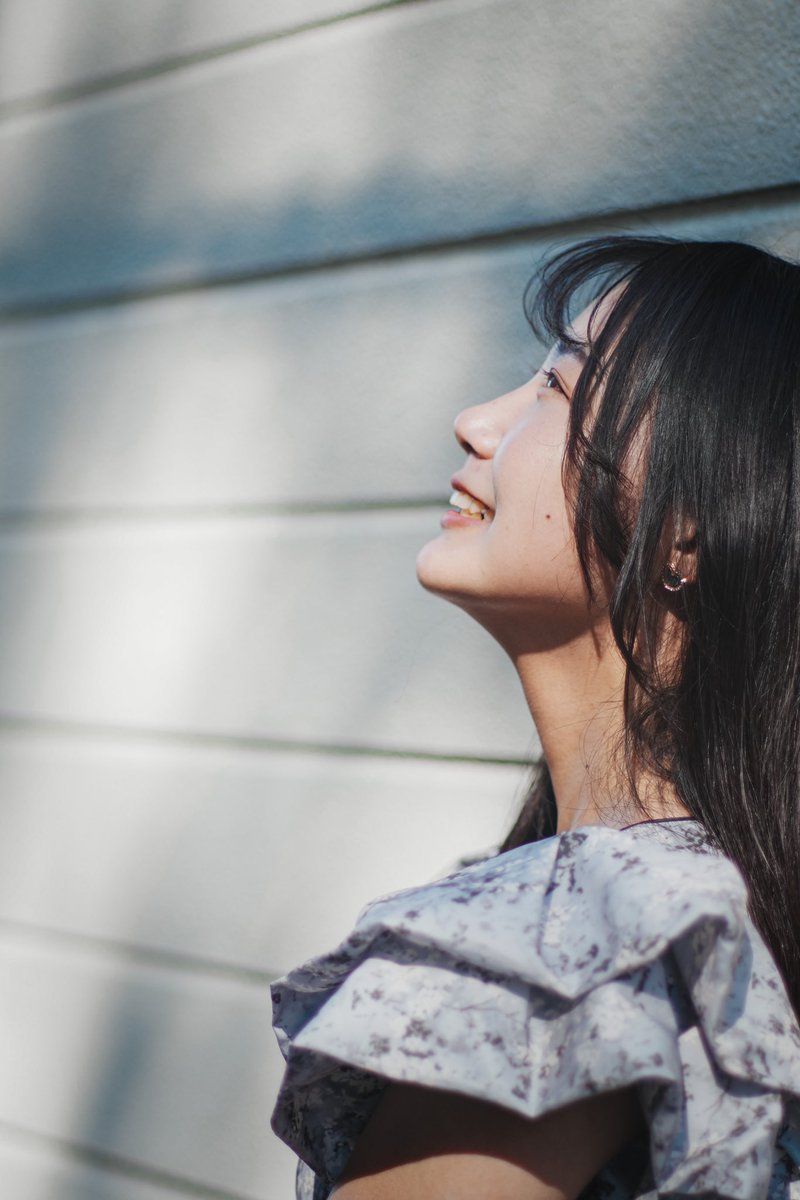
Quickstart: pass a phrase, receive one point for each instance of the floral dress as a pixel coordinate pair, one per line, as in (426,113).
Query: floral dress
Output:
(585,962)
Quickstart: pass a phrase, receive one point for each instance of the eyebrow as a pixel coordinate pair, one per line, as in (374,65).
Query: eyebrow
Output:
(575,350)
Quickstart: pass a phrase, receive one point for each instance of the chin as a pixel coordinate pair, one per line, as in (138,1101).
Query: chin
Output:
(433,570)
(429,579)
(438,572)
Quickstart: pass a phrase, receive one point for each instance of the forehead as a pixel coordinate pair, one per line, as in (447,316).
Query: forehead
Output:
(565,350)
(592,318)
(587,322)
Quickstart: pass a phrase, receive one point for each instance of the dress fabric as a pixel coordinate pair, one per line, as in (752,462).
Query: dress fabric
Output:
(585,962)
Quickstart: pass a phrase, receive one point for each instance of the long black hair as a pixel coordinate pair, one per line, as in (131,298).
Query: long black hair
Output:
(685,435)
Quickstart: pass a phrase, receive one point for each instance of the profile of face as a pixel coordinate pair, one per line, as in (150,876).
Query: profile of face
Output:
(509,557)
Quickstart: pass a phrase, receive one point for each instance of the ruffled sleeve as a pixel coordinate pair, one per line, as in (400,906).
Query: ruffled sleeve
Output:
(587,962)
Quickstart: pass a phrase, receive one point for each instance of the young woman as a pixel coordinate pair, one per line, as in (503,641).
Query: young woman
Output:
(607,1008)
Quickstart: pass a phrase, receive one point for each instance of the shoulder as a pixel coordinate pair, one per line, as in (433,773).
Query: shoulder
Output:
(578,965)
(565,913)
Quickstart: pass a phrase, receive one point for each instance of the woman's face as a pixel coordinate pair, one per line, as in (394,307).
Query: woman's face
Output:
(514,564)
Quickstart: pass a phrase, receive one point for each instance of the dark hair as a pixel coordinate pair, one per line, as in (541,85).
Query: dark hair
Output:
(699,350)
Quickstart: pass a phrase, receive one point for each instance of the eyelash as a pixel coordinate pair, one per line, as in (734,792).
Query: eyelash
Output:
(552,382)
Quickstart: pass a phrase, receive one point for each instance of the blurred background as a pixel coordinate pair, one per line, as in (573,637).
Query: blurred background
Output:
(254,257)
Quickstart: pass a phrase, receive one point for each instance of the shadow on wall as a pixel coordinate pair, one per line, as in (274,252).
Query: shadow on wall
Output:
(412,126)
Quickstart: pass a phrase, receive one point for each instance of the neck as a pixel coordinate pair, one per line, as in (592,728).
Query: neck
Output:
(575,695)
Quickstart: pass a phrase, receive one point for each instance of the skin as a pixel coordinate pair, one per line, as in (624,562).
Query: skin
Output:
(517,573)
(426,1145)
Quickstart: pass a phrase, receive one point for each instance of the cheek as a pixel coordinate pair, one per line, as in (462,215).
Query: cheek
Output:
(529,488)
(532,529)
(536,544)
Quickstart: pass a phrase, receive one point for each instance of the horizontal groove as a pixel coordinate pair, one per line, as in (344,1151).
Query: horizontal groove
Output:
(86,1156)
(13,723)
(47,518)
(132,953)
(115,81)
(619,220)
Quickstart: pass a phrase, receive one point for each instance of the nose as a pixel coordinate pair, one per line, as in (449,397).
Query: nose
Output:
(480,429)
(477,431)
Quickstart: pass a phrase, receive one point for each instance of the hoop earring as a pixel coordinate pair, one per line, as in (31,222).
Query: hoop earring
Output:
(672,579)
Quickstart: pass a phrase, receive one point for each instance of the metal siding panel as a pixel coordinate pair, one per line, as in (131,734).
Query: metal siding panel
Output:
(300,629)
(172,1071)
(35,1169)
(51,45)
(424,123)
(337,387)
(249,860)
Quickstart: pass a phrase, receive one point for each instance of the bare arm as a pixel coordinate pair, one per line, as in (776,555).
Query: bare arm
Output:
(433,1145)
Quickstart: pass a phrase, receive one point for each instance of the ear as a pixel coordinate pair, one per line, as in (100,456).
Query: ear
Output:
(681,549)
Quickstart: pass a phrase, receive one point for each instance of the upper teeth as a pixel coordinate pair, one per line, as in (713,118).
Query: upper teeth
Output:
(468,504)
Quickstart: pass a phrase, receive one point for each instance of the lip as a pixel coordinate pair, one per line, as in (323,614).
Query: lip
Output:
(458,485)
(456,520)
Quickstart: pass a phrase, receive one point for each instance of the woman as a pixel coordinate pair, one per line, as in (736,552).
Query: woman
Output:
(608,1007)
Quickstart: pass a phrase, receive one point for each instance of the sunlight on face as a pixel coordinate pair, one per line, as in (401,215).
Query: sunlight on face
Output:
(509,557)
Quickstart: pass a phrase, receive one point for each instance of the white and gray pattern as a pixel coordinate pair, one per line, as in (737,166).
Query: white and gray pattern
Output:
(582,963)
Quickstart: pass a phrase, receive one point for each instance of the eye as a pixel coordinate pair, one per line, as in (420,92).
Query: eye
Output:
(551,380)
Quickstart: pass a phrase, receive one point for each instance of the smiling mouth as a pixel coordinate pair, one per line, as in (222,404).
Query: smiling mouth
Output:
(468,506)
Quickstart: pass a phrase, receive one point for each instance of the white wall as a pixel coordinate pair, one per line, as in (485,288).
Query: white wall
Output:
(253,258)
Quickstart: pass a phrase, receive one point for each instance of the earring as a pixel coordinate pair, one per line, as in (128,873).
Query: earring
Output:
(672,579)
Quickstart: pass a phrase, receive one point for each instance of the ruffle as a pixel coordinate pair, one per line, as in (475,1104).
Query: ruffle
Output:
(583,963)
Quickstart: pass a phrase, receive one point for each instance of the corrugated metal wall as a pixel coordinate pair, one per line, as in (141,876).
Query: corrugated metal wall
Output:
(253,258)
